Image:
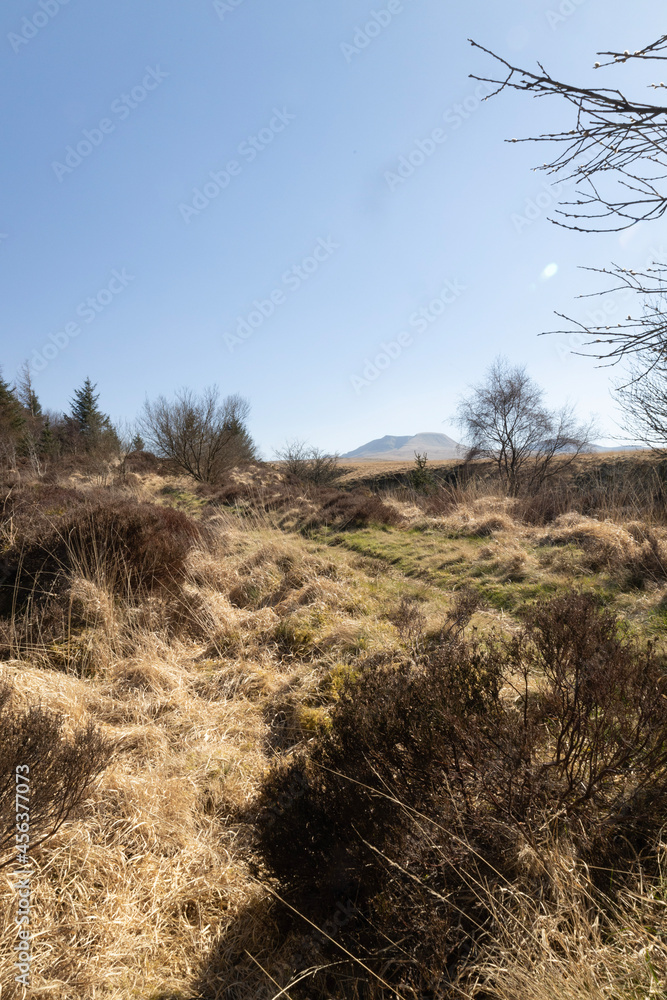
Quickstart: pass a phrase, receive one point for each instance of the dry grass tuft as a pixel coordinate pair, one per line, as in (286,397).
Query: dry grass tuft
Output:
(633,548)
(573,949)
(483,517)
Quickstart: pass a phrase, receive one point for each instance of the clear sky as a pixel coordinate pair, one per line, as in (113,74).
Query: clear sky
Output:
(198,192)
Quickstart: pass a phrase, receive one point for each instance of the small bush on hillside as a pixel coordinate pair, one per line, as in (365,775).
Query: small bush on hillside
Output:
(141,462)
(56,770)
(340,509)
(433,785)
(307,464)
(199,434)
(126,544)
(422,479)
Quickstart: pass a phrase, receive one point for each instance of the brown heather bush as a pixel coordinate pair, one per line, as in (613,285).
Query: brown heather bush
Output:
(341,509)
(446,781)
(60,770)
(128,545)
(252,494)
(310,505)
(142,462)
(35,508)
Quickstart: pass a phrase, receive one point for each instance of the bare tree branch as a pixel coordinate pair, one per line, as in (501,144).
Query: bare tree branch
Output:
(617,155)
(309,464)
(645,334)
(643,399)
(616,151)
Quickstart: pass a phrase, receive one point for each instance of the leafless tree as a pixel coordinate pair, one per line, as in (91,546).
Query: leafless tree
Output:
(616,153)
(309,464)
(616,149)
(643,399)
(504,419)
(200,434)
(33,426)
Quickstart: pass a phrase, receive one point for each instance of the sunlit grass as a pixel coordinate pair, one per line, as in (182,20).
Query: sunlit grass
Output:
(152,879)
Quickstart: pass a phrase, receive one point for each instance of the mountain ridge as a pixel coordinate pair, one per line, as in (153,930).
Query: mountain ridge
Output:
(393,447)
(438,447)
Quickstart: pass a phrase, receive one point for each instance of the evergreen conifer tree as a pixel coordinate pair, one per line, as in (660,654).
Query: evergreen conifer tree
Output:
(11,415)
(12,421)
(47,440)
(90,424)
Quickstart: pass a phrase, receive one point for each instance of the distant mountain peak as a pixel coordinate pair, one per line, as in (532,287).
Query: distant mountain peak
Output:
(387,443)
(403,448)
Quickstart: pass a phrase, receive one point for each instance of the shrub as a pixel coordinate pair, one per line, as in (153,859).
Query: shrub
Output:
(60,769)
(424,793)
(309,465)
(340,509)
(141,462)
(422,479)
(200,434)
(34,508)
(604,707)
(127,544)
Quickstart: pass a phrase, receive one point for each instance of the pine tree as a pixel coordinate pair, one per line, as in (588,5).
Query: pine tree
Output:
(11,424)
(138,443)
(86,414)
(11,416)
(47,440)
(89,423)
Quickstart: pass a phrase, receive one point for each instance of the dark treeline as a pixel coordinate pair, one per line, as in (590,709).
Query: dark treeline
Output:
(29,434)
(200,434)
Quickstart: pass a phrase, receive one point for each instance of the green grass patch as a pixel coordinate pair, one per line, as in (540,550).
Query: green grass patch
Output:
(504,580)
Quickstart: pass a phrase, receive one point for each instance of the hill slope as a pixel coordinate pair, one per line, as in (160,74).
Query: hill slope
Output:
(392,448)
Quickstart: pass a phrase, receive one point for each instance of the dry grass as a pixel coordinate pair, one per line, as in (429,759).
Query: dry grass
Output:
(132,897)
(148,891)
(573,948)
(633,549)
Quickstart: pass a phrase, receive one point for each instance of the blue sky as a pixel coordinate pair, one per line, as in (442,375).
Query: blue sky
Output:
(211,192)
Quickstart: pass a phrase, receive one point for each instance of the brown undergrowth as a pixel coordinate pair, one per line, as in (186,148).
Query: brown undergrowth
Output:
(230,648)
